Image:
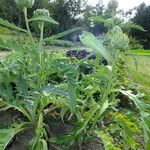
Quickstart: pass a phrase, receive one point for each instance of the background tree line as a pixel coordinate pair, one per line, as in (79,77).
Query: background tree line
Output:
(77,13)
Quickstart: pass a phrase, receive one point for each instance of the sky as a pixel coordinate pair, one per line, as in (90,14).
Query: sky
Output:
(123,4)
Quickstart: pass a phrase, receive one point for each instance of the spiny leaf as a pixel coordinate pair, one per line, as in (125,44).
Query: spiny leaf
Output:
(72,99)
(130,24)
(55,90)
(11,25)
(10,45)
(22,37)
(56,36)
(89,40)
(63,139)
(107,140)
(45,19)
(43,144)
(88,116)
(145,116)
(6,135)
(62,42)
(146,128)
(139,103)
(135,26)
(18,107)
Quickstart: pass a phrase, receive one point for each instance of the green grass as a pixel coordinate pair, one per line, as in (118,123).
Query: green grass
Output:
(140,52)
(141,74)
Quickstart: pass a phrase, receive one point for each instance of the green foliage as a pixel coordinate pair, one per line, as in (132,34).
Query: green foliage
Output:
(112,8)
(89,40)
(43,15)
(31,102)
(59,35)
(9,11)
(67,13)
(83,92)
(143,108)
(140,52)
(114,21)
(142,18)
(10,25)
(135,44)
(107,140)
(5,31)
(98,19)
(127,127)
(126,124)
(10,44)
(63,43)
(127,26)
(6,135)
(12,39)
(55,39)
(120,41)
(44,18)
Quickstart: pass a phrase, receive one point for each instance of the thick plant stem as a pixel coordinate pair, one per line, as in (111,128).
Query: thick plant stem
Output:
(27,24)
(41,36)
(40,47)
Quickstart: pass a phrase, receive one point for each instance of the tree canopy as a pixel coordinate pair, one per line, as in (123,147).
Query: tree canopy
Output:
(142,18)
(78,13)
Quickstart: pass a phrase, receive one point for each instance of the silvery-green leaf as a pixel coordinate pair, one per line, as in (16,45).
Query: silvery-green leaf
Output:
(89,40)
(6,135)
(62,34)
(44,19)
(11,25)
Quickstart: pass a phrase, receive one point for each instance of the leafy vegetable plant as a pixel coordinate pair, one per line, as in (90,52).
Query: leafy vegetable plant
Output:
(81,91)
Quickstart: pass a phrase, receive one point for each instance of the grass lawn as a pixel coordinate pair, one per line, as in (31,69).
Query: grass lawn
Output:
(141,75)
(140,52)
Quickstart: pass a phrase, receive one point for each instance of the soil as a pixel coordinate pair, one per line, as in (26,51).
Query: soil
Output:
(56,127)
(21,141)
(8,117)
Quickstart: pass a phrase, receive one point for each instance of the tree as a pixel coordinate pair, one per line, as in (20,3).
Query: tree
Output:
(66,12)
(88,13)
(111,8)
(9,11)
(142,18)
(99,8)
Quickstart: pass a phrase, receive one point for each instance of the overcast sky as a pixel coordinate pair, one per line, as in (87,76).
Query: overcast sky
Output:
(123,4)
